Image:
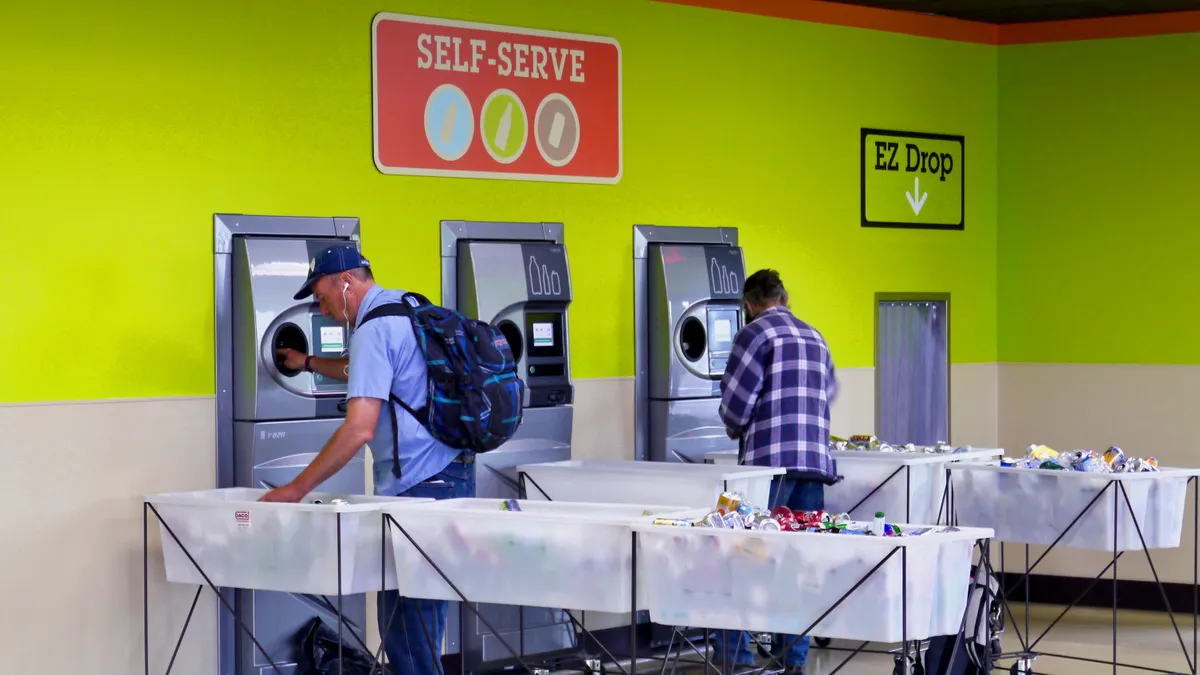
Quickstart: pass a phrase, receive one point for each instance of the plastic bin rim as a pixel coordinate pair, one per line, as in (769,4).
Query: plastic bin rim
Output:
(726,471)
(195,499)
(444,506)
(916,458)
(963,534)
(1165,472)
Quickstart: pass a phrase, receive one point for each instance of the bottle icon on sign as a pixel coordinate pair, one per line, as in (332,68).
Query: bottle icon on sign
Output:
(448,122)
(504,128)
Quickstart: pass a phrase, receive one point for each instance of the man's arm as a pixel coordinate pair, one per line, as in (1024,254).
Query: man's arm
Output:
(358,430)
(741,384)
(337,369)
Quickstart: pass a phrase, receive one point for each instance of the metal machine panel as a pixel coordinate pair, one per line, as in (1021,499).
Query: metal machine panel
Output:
(683,430)
(272,454)
(516,277)
(695,309)
(270,423)
(267,272)
(523,288)
(687,308)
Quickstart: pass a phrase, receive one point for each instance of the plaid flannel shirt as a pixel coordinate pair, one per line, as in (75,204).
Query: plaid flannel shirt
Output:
(776,393)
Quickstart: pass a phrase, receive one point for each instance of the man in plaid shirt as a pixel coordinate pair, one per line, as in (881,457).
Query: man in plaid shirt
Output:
(775,398)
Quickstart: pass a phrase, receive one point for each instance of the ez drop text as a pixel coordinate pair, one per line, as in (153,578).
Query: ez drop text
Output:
(915,159)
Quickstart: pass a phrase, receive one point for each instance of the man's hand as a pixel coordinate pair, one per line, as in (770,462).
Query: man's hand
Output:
(293,359)
(288,494)
(733,434)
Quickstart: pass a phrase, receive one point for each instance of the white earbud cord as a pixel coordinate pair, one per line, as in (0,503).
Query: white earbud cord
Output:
(346,342)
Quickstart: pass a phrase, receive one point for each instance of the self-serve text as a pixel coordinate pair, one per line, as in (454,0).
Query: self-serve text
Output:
(509,59)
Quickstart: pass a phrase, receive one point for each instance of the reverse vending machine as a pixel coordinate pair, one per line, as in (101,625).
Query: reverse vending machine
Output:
(515,276)
(687,309)
(271,420)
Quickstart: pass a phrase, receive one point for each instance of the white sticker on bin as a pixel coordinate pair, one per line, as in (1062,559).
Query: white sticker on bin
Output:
(242,518)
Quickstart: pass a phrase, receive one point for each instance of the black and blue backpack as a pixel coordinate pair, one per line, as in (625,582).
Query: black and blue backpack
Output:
(475,398)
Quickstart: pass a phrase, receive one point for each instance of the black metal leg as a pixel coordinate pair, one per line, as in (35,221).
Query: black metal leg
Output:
(224,602)
(633,604)
(904,609)
(383,544)
(1027,570)
(341,661)
(1154,571)
(879,487)
(186,623)
(146,585)
(465,602)
(907,493)
(1116,519)
(774,659)
(1195,572)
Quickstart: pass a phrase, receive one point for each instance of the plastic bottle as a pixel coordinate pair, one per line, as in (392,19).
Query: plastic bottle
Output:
(877,524)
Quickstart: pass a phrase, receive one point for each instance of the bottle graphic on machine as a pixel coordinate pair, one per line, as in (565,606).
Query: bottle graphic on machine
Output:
(535,277)
(723,280)
(543,280)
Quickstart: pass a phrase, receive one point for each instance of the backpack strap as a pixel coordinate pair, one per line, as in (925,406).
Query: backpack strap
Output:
(422,415)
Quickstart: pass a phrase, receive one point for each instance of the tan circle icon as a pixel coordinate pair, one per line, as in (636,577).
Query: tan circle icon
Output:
(556,130)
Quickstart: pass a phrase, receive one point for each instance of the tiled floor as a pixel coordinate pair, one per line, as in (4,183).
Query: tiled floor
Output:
(1145,639)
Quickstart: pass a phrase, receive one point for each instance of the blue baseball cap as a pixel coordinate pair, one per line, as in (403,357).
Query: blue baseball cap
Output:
(333,260)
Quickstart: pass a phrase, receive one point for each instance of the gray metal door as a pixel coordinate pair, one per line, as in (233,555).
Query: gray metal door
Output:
(912,369)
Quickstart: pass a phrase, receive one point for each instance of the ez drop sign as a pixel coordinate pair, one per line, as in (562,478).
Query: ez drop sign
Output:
(912,180)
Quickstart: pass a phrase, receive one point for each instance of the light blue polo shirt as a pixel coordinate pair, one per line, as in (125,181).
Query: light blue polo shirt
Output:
(385,358)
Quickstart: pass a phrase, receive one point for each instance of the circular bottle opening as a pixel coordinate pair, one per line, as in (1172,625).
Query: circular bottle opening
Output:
(288,336)
(513,335)
(692,339)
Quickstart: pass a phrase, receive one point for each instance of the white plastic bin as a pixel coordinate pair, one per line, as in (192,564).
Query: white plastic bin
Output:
(783,581)
(620,482)
(1034,506)
(240,542)
(549,554)
(921,477)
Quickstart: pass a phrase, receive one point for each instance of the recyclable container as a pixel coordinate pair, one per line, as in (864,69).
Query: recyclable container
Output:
(241,542)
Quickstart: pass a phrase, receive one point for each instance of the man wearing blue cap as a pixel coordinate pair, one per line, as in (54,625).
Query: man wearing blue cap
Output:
(385,360)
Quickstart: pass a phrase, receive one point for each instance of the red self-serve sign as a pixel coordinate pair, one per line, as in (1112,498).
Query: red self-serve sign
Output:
(453,98)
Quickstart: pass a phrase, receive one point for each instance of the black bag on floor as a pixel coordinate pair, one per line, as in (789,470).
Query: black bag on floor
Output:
(971,651)
(319,653)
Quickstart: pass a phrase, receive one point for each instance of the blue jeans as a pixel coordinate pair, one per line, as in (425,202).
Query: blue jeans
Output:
(799,495)
(414,640)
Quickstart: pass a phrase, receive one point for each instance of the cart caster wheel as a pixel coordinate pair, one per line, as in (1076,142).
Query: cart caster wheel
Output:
(822,642)
(1023,666)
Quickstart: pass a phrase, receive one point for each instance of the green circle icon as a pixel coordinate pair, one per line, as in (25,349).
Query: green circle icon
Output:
(504,126)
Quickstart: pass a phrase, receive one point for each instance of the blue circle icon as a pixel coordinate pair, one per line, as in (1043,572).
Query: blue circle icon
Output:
(449,122)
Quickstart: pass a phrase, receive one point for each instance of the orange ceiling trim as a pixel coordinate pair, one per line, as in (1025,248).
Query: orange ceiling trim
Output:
(856,16)
(926,25)
(1138,25)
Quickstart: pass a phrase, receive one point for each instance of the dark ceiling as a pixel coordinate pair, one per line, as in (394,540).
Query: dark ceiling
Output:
(1023,11)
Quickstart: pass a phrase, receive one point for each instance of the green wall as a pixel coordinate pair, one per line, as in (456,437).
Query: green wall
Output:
(1100,209)
(127,125)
